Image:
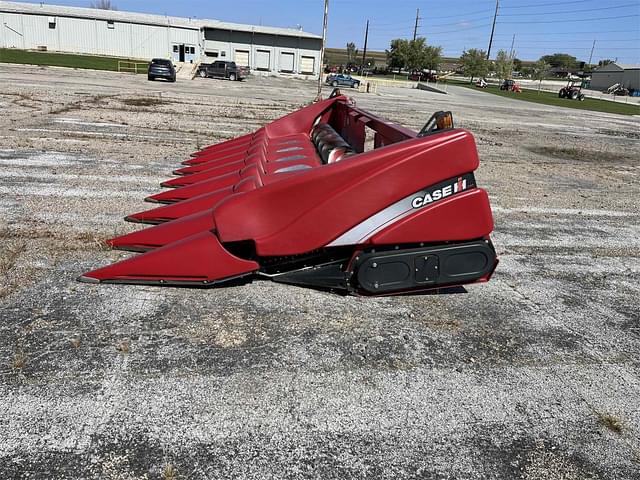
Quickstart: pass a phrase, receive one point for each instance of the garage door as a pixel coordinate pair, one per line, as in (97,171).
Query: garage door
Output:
(263,60)
(286,62)
(242,58)
(307,64)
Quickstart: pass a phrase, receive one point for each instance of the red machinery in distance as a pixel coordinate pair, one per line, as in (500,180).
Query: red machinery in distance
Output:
(300,201)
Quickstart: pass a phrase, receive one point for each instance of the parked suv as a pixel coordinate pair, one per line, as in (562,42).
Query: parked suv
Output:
(161,68)
(222,69)
(340,79)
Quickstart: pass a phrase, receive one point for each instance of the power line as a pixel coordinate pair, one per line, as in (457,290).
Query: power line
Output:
(462,20)
(520,47)
(565,11)
(572,21)
(534,5)
(467,14)
(547,34)
(461,28)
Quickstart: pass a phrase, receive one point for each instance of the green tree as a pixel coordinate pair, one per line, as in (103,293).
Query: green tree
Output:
(539,71)
(604,62)
(474,63)
(413,54)
(103,5)
(561,60)
(352,52)
(517,64)
(503,65)
(432,57)
(398,53)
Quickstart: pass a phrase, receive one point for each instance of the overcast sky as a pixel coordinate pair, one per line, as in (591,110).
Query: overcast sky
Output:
(540,26)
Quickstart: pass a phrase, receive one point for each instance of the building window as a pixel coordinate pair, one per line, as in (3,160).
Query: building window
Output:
(211,54)
(175,49)
(52,22)
(223,54)
(192,50)
(110,24)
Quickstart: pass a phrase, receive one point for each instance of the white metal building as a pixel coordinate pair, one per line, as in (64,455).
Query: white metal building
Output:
(608,75)
(265,50)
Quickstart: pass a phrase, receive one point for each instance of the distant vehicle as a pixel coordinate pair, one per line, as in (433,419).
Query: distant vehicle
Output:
(161,68)
(423,77)
(342,80)
(617,89)
(511,86)
(222,69)
(572,91)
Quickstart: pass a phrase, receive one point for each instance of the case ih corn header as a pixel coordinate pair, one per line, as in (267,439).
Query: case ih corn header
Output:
(300,201)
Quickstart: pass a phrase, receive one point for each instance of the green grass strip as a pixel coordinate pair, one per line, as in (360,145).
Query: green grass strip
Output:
(10,55)
(549,98)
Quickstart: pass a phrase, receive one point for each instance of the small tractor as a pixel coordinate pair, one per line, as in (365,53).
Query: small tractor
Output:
(572,91)
(510,85)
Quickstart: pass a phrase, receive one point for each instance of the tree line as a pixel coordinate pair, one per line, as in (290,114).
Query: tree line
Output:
(417,55)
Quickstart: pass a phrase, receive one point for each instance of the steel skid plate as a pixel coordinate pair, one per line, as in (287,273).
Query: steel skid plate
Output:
(413,269)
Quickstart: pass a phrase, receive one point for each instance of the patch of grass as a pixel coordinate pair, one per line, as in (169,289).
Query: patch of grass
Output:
(169,472)
(20,360)
(93,240)
(549,98)
(123,346)
(611,422)
(65,109)
(11,55)
(143,101)
(77,105)
(9,257)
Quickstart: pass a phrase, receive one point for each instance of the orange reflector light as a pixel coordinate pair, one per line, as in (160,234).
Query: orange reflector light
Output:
(444,121)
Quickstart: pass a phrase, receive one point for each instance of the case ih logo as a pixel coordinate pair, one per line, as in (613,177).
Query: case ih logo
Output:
(439,193)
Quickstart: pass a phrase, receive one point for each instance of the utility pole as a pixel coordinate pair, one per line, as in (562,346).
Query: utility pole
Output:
(511,55)
(493,29)
(415,28)
(364,50)
(324,41)
(591,56)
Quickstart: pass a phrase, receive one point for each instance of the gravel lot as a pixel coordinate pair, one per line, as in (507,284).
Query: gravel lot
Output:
(534,375)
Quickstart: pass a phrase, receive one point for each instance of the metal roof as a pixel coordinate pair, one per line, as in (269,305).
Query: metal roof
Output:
(628,66)
(146,18)
(623,66)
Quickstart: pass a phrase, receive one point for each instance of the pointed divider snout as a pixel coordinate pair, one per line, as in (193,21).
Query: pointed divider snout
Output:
(181,209)
(165,233)
(190,191)
(204,175)
(196,260)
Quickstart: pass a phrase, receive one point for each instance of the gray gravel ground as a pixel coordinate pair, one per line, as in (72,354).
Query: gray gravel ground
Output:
(531,376)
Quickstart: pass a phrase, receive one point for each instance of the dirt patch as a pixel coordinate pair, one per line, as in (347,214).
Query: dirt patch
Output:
(620,133)
(143,102)
(580,154)
(610,422)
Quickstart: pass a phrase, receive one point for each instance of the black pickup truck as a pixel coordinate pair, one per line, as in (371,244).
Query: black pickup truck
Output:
(222,69)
